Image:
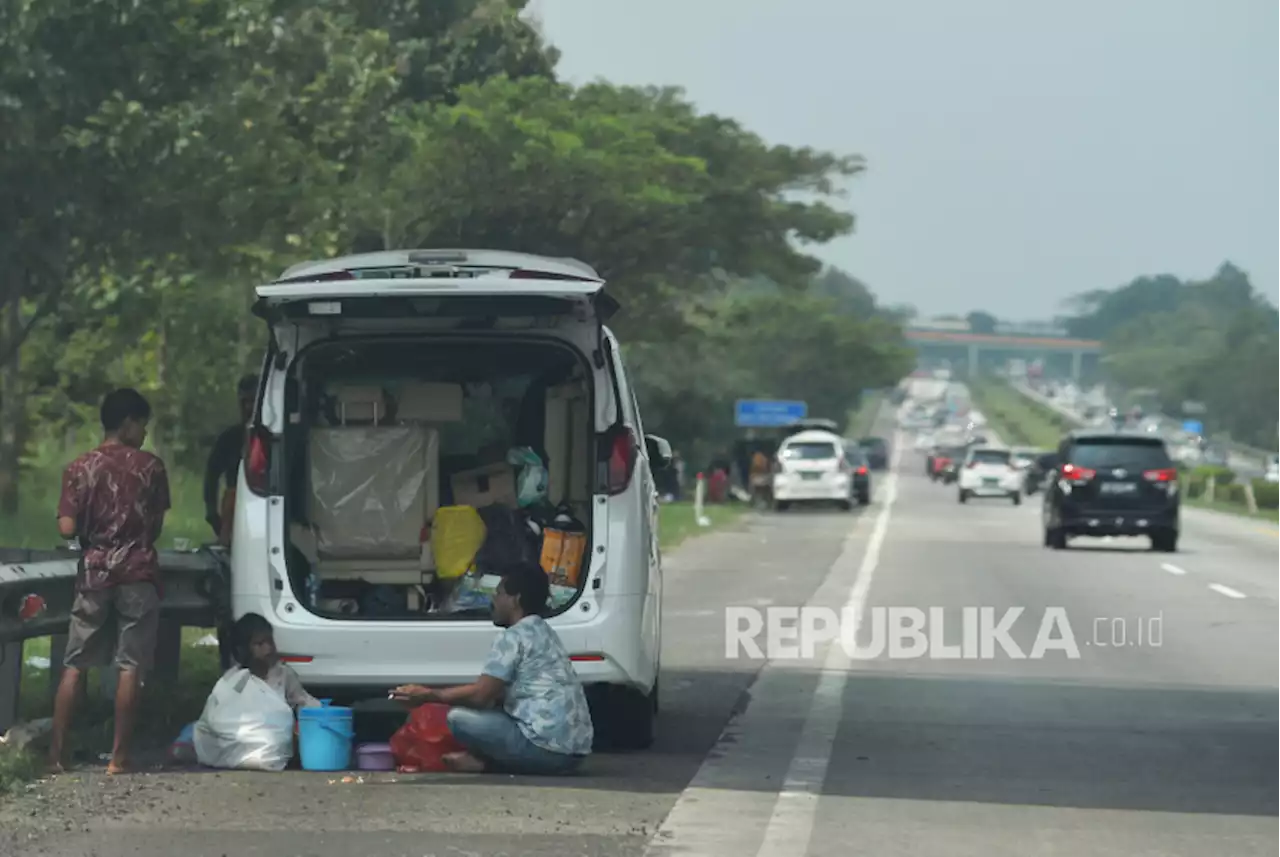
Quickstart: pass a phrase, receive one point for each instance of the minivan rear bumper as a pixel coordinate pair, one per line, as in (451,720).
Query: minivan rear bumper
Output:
(1112,522)
(377,656)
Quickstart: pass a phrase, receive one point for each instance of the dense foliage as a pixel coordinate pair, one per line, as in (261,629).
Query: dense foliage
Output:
(1212,341)
(160,159)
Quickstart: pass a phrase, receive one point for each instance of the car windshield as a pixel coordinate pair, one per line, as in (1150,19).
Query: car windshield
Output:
(871,443)
(854,456)
(1105,452)
(809,451)
(990,456)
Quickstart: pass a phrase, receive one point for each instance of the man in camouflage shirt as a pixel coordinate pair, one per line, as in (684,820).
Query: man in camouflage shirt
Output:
(544,724)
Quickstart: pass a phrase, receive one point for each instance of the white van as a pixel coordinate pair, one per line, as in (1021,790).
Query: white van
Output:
(393,386)
(811,467)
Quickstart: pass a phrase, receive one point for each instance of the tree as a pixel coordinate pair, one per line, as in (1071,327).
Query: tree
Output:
(1213,341)
(982,322)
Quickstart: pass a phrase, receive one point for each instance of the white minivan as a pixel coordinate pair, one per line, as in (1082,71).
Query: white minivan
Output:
(394,385)
(811,467)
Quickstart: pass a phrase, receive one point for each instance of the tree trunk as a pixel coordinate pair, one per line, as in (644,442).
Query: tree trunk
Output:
(11,409)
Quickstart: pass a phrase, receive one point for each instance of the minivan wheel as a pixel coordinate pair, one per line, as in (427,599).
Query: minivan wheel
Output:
(622,717)
(781,506)
(1016,498)
(963,496)
(1165,541)
(846,505)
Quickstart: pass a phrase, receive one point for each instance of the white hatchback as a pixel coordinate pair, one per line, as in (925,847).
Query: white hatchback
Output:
(396,384)
(989,471)
(811,467)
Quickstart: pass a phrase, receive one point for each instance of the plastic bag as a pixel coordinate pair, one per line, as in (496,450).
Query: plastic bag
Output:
(420,743)
(531,486)
(456,536)
(371,489)
(474,591)
(245,724)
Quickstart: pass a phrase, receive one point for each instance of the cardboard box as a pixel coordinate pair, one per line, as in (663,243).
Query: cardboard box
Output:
(494,485)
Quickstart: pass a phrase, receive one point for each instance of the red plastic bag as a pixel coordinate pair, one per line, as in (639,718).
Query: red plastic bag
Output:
(420,743)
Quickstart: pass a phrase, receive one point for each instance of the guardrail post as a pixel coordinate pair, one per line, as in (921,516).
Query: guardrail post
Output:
(1250,500)
(699,498)
(168,650)
(10,683)
(1208,489)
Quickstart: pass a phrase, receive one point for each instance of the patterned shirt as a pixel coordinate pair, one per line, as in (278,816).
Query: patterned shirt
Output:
(117,496)
(543,693)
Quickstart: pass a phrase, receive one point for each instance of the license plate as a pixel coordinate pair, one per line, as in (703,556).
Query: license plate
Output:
(1118,487)
(990,481)
(810,476)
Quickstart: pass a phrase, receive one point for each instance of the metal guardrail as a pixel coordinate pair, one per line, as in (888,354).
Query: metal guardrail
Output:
(37,589)
(1241,458)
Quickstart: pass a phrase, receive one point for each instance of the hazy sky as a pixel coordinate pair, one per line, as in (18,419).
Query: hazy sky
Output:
(1019,151)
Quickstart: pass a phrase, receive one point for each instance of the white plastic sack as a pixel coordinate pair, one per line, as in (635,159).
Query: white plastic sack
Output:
(245,724)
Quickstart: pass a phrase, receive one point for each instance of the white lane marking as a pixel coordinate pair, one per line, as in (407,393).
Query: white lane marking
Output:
(791,825)
(689,614)
(696,823)
(1172,569)
(1225,590)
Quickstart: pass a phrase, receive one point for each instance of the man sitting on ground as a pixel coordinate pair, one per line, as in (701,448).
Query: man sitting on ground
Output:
(544,725)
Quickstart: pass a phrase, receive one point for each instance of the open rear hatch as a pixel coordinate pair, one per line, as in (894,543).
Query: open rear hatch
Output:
(423,391)
(479,287)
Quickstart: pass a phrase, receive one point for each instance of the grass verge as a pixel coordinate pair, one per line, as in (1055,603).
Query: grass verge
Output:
(166,708)
(35,525)
(863,418)
(1018,420)
(1271,516)
(678,523)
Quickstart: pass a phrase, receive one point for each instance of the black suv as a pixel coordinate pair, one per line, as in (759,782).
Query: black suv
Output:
(1112,484)
(876,451)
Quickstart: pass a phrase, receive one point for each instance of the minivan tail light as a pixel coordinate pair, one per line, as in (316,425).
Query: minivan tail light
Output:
(1163,474)
(257,461)
(1072,473)
(621,447)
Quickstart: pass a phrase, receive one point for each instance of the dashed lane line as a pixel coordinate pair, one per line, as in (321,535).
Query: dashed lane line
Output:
(1226,590)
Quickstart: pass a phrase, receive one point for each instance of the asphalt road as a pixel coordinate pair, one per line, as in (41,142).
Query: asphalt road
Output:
(1160,738)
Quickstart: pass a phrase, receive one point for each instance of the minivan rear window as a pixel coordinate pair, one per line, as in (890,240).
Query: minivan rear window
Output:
(810,451)
(991,456)
(1121,452)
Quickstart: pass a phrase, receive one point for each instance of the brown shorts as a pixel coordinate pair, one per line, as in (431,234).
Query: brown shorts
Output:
(122,620)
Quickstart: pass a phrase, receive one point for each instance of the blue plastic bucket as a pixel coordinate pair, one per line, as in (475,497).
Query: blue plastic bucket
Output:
(325,737)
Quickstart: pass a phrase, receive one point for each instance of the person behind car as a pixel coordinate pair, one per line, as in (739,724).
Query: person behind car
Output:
(254,648)
(543,725)
(224,462)
(114,500)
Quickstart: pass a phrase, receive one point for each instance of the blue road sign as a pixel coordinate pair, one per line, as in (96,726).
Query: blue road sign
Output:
(1193,427)
(755,413)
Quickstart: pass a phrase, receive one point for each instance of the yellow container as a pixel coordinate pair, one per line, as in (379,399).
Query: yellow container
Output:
(456,537)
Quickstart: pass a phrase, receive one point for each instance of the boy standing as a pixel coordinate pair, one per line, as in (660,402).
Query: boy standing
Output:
(113,500)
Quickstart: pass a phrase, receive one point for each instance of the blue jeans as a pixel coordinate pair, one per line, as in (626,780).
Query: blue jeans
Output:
(494,737)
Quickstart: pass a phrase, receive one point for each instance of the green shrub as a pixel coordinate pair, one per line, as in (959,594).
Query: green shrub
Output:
(1267,494)
(1221,475)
